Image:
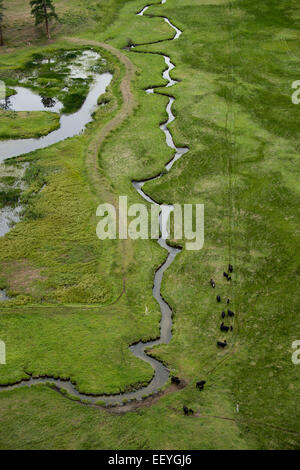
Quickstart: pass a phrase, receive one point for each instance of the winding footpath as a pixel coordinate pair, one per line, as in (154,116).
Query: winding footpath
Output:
(161,373)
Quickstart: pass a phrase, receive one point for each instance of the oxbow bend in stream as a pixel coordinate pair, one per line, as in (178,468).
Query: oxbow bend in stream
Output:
(139,350)
(186,221)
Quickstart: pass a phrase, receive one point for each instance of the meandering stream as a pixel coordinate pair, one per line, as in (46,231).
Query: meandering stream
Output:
(161,373)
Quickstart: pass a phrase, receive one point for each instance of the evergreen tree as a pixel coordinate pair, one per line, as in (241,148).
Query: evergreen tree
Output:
(44,12)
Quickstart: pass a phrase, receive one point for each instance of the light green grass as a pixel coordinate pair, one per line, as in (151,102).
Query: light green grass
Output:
(53,256)
(83,345)
(75,17)
(235,62)
(160,427)
(24,125)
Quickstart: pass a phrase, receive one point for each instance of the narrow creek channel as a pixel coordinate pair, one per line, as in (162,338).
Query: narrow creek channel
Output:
(161,373)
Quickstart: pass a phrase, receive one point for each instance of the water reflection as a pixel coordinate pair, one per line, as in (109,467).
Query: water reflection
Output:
(70,124)
(27,100)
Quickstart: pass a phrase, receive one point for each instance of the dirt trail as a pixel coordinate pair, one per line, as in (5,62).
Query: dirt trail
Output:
(98,181)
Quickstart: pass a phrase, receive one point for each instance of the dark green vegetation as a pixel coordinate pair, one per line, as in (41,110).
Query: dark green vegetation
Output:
(235,62)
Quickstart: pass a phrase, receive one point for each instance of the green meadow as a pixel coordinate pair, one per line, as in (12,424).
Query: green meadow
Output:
(77,303)
(24,125)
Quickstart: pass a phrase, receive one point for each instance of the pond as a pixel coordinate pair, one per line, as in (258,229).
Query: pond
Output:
(84,66)
(70,124)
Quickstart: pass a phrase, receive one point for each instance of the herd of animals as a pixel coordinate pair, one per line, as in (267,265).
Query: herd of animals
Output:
(221,344)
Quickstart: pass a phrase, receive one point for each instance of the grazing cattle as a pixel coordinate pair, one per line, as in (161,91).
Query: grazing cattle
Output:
(230,268)
(225,274)
(218,298)
(222,344)
(188,411)
(223,327)
(230,313)
(175,380)
(228,301)
(229,278)
(200,384)
(212,283)
(223,314)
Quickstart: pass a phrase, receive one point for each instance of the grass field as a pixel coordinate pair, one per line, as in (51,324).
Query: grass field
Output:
(25,125)
(235,63)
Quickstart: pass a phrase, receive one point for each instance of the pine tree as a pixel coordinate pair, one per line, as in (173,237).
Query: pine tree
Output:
(44,12)
(1,22)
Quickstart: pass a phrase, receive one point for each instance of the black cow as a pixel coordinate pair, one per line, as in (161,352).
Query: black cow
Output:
(218,298)
(225,274)
(188,411)
(200,384)
(230,268)
(223,315)
(222,344)
(228,278)
(223,327)
(228,301)
(175,380)
(230,313)
(212,283)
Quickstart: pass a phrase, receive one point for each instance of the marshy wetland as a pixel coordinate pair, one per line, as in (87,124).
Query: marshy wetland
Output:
(161,373)
(193,105)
